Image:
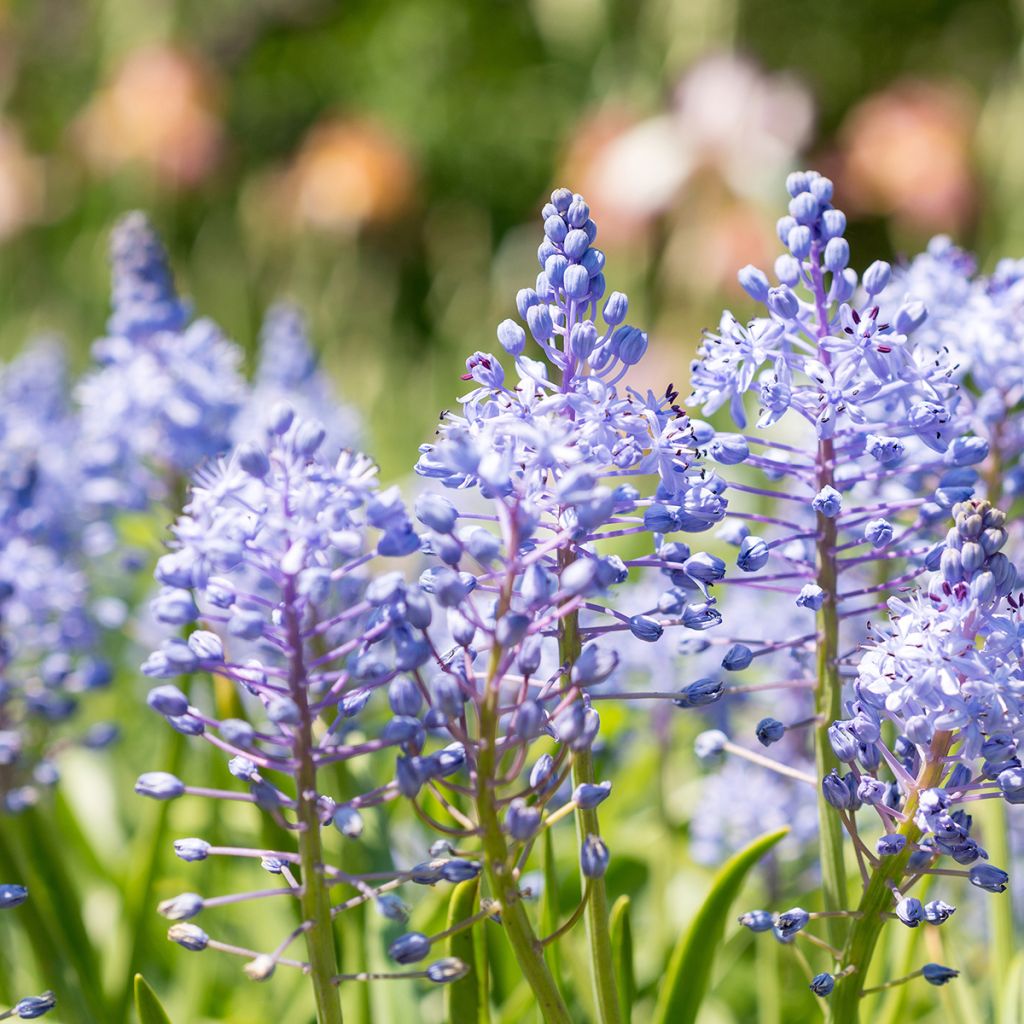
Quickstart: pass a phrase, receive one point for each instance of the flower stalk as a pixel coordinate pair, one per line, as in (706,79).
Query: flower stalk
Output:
(314,897)
(602,971)
(500,866)
(844,1005)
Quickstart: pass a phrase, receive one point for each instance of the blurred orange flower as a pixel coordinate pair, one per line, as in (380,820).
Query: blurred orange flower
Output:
(347,173)
(159,111)
(905,153)
(716,233)
(21,183)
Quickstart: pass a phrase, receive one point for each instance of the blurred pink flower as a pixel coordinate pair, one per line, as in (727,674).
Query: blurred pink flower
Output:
(158,111)
(729,118)
(743,122)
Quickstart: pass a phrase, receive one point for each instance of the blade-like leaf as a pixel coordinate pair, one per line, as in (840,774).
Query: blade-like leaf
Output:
(465,999)
(622,954)
(147,1005)
(689,967)
(1012,1001)
(549,903)
(148,847)
(45,920)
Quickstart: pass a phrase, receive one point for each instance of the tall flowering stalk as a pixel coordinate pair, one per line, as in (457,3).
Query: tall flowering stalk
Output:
(870,370)
(944,674)
(554,461)
(166,389)
(49,634)
(851,411)
(271,553)
(289,371)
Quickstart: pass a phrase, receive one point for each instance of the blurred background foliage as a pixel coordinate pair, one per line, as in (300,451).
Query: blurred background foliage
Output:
(382,163)
(378,160)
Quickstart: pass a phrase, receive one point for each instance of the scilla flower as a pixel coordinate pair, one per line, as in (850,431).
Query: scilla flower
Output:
(49,655)
(851,411)
(288,371)
(944,675)
(550,459)
(270,563)
(166,389)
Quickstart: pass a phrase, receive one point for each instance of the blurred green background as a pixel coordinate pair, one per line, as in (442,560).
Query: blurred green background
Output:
(382,162)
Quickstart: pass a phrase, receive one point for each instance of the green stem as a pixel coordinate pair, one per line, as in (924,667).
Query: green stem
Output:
(1002,938)
(829,692)
(828,705)
(602,963)
(501,868)
(314,897)
(844,1003)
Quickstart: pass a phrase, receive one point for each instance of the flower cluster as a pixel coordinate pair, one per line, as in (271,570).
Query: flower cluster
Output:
(862,447)
(554,460)
(977,317)
(49,634)
(166,390)
(271,558)
(853,414)
(288,371)
(944,673)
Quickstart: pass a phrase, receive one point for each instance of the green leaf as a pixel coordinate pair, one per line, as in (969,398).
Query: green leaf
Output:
(549,907)
(147,1005)
(465,1001)
(148,848)
(622,954)
(689,967)
(50,921)
(1012,996)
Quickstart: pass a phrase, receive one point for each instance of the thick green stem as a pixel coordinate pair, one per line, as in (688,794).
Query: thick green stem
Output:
(602,966)
(844,1003)
(314,896)
(828,705)
(996,825)
(501,868)
(829,691)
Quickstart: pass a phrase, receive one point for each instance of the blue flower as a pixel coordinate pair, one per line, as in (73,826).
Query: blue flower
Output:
(828,502)
(166,391)
(289,372)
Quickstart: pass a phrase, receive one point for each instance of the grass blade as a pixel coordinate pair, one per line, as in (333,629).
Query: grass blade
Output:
(51,920)
(549,902)
(1012,996)
(689,967)
(147,1005)
(622,954)
(462,1004)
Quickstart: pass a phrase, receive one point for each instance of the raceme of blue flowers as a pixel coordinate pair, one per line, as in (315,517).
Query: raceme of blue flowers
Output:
(443,656)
